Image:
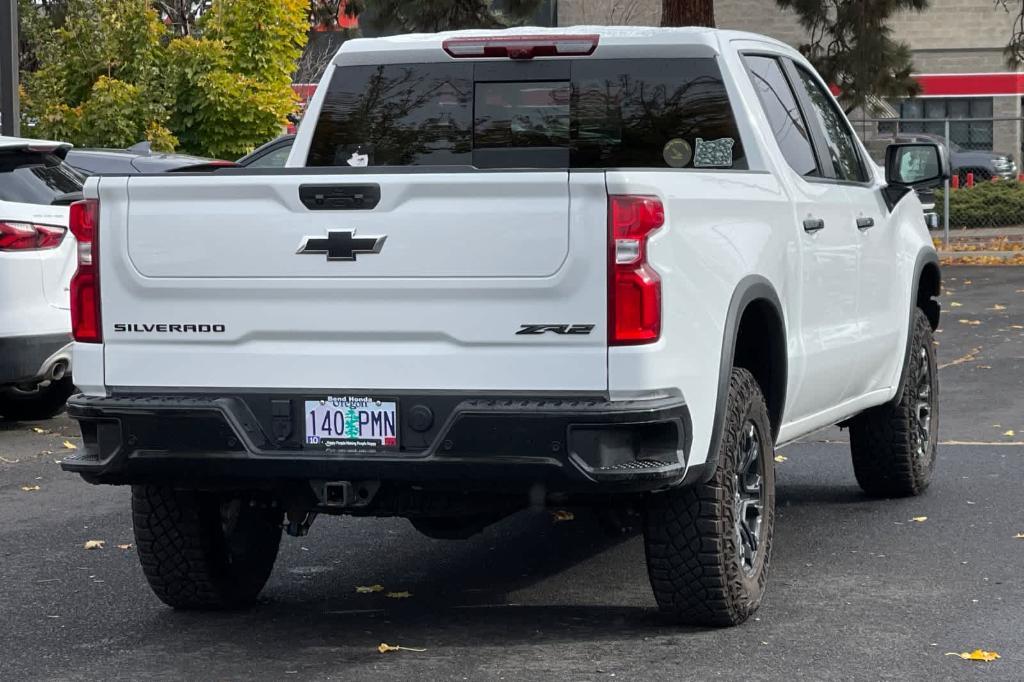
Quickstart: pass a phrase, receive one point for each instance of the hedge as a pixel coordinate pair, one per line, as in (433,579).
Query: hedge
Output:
(987,204)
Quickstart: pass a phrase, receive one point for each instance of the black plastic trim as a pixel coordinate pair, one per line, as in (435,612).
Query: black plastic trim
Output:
(748,290)
(924,257)
(476,442)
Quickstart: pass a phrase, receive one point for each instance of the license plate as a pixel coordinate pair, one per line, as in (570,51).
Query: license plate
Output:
(351,422)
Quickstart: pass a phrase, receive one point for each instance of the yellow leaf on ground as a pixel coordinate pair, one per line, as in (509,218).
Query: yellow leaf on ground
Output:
(780,458)
(95,544)
(976,655)
(920,519)
(973,323)
(954,304)
(30,488)
(384,648)
(562,515)
(398,595)
(38,430)
(69,445)
(1009,432)
(366,589)
(128,546)
(1017,326)
(1019,536)
(998,307)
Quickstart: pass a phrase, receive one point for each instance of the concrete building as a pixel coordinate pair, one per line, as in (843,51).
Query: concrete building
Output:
(957,50)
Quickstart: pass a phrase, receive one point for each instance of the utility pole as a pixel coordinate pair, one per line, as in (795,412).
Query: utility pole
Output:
(10,115)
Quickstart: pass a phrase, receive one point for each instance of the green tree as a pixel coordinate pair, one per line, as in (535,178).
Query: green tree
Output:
(112,74)
(851,46)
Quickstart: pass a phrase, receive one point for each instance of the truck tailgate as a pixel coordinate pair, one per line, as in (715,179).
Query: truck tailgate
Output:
(297,280)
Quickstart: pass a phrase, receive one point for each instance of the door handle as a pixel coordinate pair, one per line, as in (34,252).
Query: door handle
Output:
(865,223)
(812,225)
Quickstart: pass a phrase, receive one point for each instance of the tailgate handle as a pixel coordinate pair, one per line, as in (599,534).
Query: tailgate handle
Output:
(339,197)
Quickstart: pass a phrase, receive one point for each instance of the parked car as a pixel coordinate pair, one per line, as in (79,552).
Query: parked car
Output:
(984,165)
(273,154)
(138,158)
(37,259)
(462,308)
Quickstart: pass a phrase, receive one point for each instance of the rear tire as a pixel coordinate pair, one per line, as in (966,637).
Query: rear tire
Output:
(709,545)
(894,445)
(202,550)
(43,402)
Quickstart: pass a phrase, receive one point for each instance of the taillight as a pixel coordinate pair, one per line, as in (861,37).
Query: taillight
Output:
(85,285)
(634,288)
(522,47)
(15,236)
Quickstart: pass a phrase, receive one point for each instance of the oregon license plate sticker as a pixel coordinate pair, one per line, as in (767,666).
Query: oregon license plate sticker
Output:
(351,422)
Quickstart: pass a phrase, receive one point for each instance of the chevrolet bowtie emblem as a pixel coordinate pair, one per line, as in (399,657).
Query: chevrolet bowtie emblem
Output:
(342,244)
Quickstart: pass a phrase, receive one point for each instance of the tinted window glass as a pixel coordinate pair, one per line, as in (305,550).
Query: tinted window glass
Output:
(839,138)
(656,113)
(273,159)
(35,178)
(611,113)
(784,117)
(395,115)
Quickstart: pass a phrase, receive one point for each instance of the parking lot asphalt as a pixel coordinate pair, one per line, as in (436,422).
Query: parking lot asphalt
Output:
(858,590)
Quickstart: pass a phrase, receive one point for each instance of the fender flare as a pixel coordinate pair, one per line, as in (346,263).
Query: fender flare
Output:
(749,289)
(924,257)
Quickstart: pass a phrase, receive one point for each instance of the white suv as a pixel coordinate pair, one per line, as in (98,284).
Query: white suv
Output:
(596,266)
(37,259)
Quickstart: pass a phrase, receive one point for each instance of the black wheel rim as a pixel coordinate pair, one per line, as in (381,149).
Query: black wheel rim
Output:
(749,498)
(922,410)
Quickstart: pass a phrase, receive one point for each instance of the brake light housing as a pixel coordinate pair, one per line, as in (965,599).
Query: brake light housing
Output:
(522,47)
(19,236)
(634,287)
(83,220)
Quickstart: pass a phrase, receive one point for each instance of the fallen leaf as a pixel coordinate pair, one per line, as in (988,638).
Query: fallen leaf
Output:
(95,544)
(128,546)
(954,304)
(998,307)
(780,458)
(38,429)
(9,461)
(398,595)
(1017,326)
(1009,432)
(967,281)
(30,488)
(973,323)
(384,648)
(366,589)
(919,519)
(976,655)
(69,445)
(1019,536)
(562,515)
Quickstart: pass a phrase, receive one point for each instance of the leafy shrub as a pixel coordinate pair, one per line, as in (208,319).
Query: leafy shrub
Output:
(987,204)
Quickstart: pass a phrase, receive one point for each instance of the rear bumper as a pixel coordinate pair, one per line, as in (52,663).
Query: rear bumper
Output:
(468,443)
(27,358)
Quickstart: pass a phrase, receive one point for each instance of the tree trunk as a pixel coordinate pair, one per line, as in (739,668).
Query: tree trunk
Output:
(688,13)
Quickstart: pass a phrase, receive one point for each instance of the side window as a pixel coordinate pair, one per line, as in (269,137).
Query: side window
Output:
(838,136)
(784,117)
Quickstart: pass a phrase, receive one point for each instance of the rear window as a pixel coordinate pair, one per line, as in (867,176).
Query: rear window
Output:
(639,113)
(35,177)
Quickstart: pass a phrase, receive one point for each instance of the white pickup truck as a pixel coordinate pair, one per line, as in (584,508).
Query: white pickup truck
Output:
(592,266)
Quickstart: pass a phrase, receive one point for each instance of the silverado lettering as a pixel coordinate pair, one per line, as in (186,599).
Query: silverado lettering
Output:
(169,328)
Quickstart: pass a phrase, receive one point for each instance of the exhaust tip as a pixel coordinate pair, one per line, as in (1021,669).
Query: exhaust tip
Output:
(58,370)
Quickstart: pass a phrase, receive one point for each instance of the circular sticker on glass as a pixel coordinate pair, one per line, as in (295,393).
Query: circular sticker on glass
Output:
(677,152)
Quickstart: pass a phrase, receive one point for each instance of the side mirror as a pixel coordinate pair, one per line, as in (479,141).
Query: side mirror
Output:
(916,165)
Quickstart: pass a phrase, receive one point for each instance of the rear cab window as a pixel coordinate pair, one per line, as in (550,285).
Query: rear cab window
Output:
(579,113)
(35,177)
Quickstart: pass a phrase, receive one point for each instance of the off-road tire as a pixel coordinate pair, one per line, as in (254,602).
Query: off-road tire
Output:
(42,403)
(690,533)
(197,557)
(884,441)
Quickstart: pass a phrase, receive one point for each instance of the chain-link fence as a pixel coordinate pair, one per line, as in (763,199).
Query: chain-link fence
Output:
(985,190)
